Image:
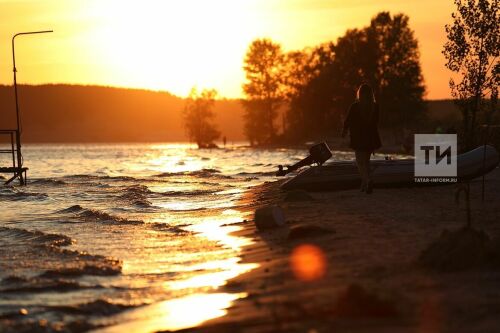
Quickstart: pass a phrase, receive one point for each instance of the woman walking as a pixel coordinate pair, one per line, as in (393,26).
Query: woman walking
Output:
(362,124)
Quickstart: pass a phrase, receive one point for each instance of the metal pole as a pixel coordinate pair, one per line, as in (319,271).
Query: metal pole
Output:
(18,119)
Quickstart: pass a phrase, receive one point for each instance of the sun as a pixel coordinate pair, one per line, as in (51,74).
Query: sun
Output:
(174,45)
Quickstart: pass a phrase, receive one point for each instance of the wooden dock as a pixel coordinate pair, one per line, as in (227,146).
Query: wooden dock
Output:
(17,169)
(17,173)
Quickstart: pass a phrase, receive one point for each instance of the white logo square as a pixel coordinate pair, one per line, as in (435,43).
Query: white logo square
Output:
(435,155)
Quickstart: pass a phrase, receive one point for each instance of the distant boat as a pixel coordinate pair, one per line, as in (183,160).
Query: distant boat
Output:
(343,175)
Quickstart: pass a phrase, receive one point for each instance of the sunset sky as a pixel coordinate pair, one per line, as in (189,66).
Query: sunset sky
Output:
(173,45)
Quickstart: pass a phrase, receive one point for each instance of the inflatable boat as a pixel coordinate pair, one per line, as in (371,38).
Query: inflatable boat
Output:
(340,175)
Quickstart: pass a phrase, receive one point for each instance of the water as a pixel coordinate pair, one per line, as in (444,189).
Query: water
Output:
(125,237)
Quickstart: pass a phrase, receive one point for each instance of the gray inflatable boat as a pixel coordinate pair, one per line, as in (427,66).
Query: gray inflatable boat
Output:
(340,175)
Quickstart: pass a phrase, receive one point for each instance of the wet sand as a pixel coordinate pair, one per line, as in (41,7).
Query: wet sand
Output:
(368,276)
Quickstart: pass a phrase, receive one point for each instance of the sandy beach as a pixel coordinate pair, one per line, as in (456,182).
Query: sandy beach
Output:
(208,166)
(349,262)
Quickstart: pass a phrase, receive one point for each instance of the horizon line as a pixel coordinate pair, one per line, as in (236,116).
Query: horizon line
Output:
(222,98)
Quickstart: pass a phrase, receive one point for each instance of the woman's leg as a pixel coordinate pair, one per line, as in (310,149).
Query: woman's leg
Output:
(361,164)
(369,183)
(367,163)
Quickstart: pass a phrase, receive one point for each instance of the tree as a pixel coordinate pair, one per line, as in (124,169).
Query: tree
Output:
(384,54)
(300,67)
(353,64)
(263,90)
(198,117)
(472,52)
(308,116)
(395,73)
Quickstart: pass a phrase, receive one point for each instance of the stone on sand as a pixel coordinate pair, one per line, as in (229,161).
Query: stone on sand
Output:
(462,249)
(269,217)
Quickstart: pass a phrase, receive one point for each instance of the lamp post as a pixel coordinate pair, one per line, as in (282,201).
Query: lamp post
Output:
(18,132)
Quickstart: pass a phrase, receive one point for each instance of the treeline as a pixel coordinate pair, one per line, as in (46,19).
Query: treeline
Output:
(311,89)
(72,113)
(75,113)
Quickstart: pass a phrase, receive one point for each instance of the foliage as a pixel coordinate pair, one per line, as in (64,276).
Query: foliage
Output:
(263,90)
(395,71)
(472,52)
(384,54)
(308,111)
(198,117)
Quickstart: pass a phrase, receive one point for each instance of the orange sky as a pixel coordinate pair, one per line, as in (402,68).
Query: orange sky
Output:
(175,44)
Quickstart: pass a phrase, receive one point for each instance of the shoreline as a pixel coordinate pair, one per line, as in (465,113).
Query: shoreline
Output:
(373,279)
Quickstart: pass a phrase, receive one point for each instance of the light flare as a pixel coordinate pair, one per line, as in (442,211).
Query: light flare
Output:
(308,262)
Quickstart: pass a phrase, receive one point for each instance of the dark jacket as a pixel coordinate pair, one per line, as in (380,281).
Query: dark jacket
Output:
(363,130)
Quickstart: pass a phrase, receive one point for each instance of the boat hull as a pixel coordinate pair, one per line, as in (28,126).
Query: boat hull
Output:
(387,173)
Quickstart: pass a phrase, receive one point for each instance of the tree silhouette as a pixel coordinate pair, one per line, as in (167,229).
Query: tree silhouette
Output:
(198,117)
(385,55)
(395,73)
(311,100)
(472,51)
(263,90)
(320,83)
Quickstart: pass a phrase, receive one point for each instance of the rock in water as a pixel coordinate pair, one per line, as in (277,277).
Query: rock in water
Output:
(269,217)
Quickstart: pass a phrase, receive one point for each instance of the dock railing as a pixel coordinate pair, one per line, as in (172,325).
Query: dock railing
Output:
(17,170)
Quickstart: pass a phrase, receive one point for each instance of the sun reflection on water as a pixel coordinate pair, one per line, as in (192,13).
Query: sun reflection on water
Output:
(175,314)
(230,268)
(170,213)
(202,301)
(221,231)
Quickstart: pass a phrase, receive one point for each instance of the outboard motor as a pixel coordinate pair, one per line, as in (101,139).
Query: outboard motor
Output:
(318,153)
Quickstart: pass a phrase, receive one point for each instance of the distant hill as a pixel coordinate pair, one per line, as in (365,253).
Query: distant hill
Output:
(74,113)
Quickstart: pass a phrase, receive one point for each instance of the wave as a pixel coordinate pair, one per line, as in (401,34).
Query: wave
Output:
(138,189)
(203,173)
(36,237)
(111,267)
(187,210)
(94,215)
(16,284)
(72,209)
(97,307)
(15,195)
(199,183)
(169,228)
(17,323)
(61,318)
(100,216)
(48,182)
(43,253)
(186,193)
(94,177)
(257,174)
(137,195)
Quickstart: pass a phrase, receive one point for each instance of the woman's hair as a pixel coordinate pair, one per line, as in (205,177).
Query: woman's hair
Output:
(365,94)
(366,100)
